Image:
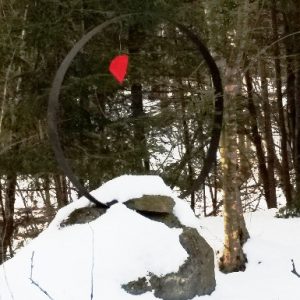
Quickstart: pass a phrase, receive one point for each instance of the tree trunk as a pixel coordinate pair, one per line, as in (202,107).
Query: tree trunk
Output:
(292,25)
(283,132)
(142,164)
(2,222)
(257,140)
(268,136)
(61,190)
(140,143)
(296,202)
(46,187)
(244,149)
(187,143)
(8,224)
(290,84)
(215,198)
(46,195)
(236,234)
(213,187)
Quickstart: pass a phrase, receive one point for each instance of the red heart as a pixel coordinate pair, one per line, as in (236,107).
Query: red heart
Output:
(118,67)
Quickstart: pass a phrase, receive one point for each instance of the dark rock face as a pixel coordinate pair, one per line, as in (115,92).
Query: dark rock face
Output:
(152,203)
(83,215)
(195,276)
(169,219)
(138,287)
(146,204)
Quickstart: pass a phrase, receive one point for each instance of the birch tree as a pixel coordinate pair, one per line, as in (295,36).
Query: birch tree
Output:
(236,234)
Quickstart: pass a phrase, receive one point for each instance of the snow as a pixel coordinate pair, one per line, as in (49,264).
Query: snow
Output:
(125,246)
(128,187)
(131,186)
(122,245)
(273,243)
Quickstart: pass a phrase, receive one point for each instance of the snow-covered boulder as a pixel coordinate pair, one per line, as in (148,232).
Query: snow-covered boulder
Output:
(119,253)
(148,204)
(194,277)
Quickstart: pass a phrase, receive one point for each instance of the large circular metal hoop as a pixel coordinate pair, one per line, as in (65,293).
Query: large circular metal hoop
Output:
(53,106)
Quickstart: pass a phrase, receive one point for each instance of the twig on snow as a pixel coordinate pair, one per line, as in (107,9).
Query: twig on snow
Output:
(34,282)
(294,271)
(93,262)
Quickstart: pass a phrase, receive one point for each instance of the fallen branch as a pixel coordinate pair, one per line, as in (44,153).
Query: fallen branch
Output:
(34,282)
(294,271)
(215,210)
(93,261)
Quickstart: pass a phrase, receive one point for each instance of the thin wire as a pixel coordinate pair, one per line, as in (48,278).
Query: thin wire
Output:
(120,37)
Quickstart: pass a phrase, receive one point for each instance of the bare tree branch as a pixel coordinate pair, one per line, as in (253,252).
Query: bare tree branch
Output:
(93,263)
(294,271)
(34,282)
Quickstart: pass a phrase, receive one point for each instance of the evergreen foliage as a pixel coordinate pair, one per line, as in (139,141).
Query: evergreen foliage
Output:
(102,134)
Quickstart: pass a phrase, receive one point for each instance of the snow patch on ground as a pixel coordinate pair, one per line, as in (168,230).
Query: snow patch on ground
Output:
(273,243)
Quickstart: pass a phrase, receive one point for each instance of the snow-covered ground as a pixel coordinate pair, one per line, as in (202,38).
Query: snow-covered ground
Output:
(273,243)
(69,263)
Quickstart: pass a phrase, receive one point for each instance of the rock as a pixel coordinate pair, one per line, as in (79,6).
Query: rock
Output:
(138,287)
(148,203)
(194,278)
(169,219)
(152,203)
(83,215)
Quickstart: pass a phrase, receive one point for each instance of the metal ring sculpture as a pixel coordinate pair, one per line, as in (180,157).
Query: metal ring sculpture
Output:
(53,106)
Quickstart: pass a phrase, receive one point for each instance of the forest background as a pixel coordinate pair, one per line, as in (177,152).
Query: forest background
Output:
(159,121)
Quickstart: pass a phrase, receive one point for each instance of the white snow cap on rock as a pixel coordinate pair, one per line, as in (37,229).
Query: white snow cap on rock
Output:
(128,187)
